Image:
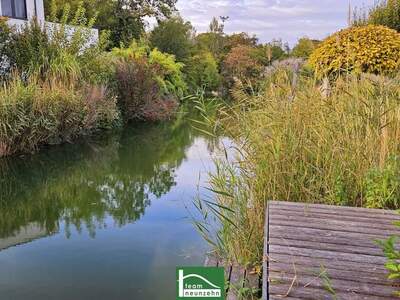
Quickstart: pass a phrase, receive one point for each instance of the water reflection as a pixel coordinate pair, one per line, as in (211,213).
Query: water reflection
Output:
(81,185)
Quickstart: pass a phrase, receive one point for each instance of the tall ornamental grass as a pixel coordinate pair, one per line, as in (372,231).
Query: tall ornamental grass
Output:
(51,112)
(340,146)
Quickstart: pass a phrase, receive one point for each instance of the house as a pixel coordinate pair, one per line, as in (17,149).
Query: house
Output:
(21,12)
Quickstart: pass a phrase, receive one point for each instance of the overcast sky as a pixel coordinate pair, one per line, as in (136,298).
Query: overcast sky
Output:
(269,19)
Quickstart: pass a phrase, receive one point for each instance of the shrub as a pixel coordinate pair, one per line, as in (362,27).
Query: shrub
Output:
(50,112)
(169,73)
(382,185)
(56,51)
(371,49)
(137,87)
(304,47)
(147,79)
(241,63)
(202,72)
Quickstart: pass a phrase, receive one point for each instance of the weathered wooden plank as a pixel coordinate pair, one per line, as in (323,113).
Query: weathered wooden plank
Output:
(351,275)
(252,279)
(265,281)
(338,240)
(336,256)
(350,225)
(334,210)
(325,262)
(312,234)
(322,215)
(284,298)
(336,285)
(308,293)
(309,206)
(354,249)
(331,226)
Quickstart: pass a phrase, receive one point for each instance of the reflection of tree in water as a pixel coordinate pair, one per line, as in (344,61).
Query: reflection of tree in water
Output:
(84,183)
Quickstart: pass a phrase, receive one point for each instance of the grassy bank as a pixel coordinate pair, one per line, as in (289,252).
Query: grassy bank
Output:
(55,87)
(297,143)
(51,112)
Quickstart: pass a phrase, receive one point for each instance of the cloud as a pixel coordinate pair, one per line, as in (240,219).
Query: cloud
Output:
(272,19)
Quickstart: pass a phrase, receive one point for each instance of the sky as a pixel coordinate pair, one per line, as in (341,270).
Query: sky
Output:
(273,19)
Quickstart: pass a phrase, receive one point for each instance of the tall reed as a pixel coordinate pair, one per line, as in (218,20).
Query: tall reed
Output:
(296,144)
(39,112)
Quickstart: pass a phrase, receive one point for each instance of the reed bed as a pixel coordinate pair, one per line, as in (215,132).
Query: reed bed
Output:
(297,143)
(38,112)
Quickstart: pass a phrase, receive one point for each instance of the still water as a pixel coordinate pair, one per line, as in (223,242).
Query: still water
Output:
(105,218)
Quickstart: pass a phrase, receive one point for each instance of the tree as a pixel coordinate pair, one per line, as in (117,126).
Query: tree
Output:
(125,19)
(242,63)
(213,40)
(237,39)
(274,50)
(173,36)
(304,47)
(202,71)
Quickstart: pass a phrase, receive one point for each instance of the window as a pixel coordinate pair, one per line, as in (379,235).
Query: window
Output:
(14,8)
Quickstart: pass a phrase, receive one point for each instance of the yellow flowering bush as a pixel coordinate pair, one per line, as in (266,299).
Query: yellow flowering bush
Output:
(369,49)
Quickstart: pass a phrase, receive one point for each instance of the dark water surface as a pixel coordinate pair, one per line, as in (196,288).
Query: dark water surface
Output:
(103,219)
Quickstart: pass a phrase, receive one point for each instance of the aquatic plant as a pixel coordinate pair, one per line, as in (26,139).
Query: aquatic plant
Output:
(295,144)
(50,112)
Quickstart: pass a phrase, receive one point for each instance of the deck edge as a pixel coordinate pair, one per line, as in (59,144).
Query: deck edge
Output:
(265,281)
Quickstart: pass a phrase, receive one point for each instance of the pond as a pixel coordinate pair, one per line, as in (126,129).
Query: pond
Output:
(106,218)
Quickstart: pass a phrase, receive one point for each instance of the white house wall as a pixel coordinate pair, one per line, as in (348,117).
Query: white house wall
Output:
(30,8)
(30,11)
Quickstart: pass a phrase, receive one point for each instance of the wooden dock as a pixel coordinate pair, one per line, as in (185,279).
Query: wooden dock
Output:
(326,252)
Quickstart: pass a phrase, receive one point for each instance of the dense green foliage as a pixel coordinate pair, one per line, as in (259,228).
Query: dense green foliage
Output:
(33,50)
(173,36)
(57,86)
(370,49)
(304,47)
(384,12)
(125,19)
(202,71)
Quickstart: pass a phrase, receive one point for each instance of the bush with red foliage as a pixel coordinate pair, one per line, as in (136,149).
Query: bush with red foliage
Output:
(242,64)
(140,97)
